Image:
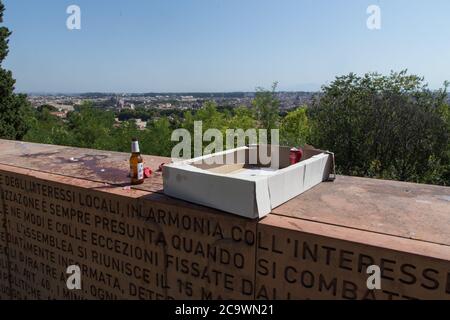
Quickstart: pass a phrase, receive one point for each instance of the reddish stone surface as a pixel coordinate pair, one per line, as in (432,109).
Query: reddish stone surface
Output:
(404,226)
(407,210)
(298,259)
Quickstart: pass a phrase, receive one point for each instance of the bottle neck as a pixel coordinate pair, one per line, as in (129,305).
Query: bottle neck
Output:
(135,147)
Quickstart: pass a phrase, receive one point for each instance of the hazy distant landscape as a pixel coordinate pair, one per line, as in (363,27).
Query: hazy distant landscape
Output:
(385,126)
(164,101)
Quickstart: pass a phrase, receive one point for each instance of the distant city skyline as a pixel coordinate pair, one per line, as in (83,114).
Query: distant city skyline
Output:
(189,46)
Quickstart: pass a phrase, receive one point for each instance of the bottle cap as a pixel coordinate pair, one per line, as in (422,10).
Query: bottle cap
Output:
(134,145)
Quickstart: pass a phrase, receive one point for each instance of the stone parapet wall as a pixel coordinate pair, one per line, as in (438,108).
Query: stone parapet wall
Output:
(139,244)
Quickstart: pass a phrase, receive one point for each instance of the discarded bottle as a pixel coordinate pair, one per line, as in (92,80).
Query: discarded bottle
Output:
(136,163)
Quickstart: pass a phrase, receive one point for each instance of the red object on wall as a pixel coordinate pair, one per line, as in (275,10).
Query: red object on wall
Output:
(295,155)
(147,172)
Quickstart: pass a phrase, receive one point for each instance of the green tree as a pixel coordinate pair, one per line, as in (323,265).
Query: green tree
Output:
(47,128)
(46,106)
(383,126)
(445,115)
(267,108)
(294,128)
(210,117)
(14,108)
(91,127)
(157,138)
(243,118)
(120,137)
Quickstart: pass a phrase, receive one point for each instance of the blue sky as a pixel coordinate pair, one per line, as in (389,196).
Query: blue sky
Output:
(220,45)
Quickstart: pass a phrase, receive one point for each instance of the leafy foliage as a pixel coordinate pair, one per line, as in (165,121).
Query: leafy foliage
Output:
(14,108)
(384,126)
(390,127)
(295,128)
(267,108)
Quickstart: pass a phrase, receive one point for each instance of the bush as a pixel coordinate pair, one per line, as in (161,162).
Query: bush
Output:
(384,126)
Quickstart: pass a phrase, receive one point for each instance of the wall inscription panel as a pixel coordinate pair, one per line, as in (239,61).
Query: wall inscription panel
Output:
(294,264)
(4,269)
(141,245)
(125,247)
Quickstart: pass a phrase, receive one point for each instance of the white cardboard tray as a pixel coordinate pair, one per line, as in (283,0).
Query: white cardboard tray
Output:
(248,191)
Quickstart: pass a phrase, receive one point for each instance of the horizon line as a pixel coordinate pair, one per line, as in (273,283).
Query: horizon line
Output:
(155,92)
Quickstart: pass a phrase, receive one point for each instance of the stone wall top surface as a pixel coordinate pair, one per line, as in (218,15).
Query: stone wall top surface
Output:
(355,208)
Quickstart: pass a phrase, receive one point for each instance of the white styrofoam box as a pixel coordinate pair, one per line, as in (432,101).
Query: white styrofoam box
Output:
(250,192)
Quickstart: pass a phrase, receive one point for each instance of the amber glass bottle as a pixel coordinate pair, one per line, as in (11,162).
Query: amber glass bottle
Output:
(136,164)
